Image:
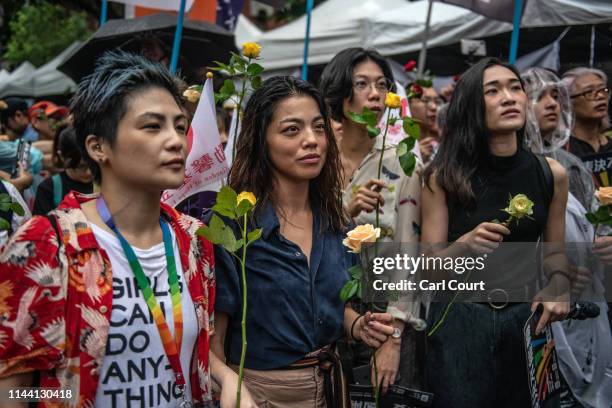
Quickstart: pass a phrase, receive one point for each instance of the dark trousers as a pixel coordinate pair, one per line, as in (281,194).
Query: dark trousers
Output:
(476,358)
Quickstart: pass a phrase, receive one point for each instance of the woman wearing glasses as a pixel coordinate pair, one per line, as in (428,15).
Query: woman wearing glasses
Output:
(354,79)
(590,96)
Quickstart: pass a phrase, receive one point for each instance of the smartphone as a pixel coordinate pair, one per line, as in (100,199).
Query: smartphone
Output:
(22,157)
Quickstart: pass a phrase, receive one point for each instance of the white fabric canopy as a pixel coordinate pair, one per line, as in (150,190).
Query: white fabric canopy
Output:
(335,25)
(26,80)
(396,27)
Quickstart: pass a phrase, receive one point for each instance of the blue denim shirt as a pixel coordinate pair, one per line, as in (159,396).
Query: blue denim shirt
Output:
(293,308)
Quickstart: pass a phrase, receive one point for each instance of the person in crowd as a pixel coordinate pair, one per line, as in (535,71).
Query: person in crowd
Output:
(11,219)
(22,180)
(75,175)
(16,120)
(584,347)
(475,351)
(287,157)
(110,297)
(46,117)
(590,95)
(354,79)
(424,108)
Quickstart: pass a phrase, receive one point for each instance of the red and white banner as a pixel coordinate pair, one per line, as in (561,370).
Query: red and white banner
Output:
(206,162)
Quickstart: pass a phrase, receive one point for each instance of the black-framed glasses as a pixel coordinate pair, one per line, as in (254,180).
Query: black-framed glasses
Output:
(592,94)
(382,85)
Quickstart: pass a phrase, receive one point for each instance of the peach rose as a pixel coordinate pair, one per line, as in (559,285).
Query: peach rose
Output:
(359,235)
(604,195)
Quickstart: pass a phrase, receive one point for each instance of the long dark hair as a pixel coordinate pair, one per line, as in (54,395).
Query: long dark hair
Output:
(464,142)
(252,168)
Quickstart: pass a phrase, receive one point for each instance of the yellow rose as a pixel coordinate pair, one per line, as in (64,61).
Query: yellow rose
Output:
(393,101)
(359,235)
(246,195)
(251,50)
(604,195)
(191,95)
(520,206)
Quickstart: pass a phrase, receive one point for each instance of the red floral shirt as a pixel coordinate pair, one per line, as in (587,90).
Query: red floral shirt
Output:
(55,306)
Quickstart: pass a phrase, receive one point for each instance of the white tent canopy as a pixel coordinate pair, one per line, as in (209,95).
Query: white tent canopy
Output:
(401,30)
(335,25)
(26,80)
(396,26)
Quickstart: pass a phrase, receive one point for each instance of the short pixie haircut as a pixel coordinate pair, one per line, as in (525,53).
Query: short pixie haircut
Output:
(336,81)
(102,98)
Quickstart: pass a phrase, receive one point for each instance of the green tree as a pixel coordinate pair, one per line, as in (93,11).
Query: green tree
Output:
(42,30)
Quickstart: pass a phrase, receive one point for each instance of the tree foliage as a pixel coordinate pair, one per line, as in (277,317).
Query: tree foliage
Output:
(40,31)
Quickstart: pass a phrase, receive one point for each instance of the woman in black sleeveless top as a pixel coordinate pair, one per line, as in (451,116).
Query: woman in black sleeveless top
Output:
(476,357)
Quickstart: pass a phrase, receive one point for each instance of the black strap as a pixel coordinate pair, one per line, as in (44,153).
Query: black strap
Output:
(548,177)
(331,366)
(8,214)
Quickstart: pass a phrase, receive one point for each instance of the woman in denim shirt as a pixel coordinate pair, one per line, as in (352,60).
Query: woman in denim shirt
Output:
(287,157)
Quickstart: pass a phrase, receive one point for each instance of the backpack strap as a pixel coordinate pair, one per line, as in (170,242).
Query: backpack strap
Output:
(57,189)
(548,177)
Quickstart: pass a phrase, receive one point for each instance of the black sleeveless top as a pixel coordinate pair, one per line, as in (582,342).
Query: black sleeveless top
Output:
(512,265)
(493,184)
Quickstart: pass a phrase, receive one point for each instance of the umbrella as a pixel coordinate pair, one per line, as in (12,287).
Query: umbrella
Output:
(201,44)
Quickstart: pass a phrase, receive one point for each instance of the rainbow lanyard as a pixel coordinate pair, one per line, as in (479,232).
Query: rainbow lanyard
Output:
(171,345)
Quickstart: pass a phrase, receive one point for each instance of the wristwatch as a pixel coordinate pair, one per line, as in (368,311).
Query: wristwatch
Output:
(397,333)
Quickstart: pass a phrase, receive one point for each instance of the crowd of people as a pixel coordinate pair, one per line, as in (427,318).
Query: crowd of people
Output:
(115,295)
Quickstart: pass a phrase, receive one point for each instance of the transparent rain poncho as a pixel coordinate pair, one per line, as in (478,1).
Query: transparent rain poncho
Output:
(536,81)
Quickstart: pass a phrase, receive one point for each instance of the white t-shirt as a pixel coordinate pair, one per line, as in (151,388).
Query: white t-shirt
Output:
(136,372)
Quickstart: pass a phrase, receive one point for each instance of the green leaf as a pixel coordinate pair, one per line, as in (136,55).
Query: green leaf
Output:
(219,234)
(256,82)
(411,127)
(370,117)
(213,230)
(5,198)
(4,224)
(357,118)
(221,97)
(239,244)
(373,131)
(349,290)
(406,143)
(254,69)
(220,66)
(402,149)
(226,202)
(356,272)
(243,207)
(592,218)
(5,206)
(425,82)
(392,121)
(228,87)
(407,163)
(17,209)
(254,235)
